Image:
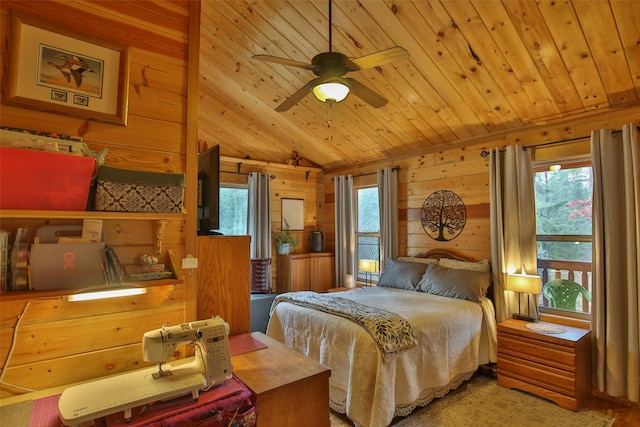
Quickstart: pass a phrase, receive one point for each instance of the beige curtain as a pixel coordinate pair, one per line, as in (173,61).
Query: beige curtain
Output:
(616,234)
(388,201)
(259,214)
(345,229)
(513,225)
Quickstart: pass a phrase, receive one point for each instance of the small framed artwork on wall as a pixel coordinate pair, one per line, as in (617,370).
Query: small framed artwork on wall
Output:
(52,69)
(293,214)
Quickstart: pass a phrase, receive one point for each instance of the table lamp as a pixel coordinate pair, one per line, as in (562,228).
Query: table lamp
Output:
(524,283)
(368,266)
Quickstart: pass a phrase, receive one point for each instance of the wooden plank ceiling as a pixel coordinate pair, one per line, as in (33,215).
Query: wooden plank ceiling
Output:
(475,68)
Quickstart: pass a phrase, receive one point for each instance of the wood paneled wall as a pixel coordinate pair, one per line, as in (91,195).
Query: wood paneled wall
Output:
(289,181)
(57,342)
(464,171)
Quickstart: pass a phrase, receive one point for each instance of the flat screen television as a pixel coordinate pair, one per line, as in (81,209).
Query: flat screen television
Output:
(209,191)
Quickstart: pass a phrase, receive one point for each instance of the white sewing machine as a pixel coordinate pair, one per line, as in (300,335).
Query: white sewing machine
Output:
(210,366)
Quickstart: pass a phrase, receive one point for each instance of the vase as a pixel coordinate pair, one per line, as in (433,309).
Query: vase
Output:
(317,241)
(283,248)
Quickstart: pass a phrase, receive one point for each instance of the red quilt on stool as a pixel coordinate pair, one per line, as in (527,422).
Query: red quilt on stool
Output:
(230,404)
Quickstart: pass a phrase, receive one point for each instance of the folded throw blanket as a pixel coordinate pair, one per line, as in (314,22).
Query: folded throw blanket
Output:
(392,332)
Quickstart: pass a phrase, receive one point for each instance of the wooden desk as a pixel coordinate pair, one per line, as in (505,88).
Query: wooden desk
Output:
(291,389)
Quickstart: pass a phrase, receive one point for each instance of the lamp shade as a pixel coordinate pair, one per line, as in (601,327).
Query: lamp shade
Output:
(368,266)
(334,91)
(524,283)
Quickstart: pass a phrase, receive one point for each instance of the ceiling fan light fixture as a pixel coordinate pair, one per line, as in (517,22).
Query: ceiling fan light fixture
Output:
(331,91)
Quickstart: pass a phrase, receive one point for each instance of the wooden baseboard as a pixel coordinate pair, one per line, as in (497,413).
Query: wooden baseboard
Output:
(617,399)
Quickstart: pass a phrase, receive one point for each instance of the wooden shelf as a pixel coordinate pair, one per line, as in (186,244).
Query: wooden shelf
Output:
(46,214)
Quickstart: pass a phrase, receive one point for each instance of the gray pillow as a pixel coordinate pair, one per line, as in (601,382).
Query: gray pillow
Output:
(462,284)
(401,274)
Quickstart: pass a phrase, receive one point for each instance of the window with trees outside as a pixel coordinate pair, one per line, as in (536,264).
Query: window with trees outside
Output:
(233,209)
(368,229)
(563,196)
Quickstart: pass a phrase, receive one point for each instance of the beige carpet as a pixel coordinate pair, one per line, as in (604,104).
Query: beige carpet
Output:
(481,402)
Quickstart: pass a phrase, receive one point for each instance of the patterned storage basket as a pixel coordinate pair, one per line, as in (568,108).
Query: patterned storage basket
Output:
(122,190)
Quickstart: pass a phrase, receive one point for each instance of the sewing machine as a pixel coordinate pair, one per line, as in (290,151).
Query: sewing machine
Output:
(210,366)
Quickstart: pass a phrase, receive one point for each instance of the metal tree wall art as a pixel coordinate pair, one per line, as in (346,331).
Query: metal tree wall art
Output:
(443,215)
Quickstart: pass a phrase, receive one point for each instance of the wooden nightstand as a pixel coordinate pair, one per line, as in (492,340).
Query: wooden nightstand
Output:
(554,366)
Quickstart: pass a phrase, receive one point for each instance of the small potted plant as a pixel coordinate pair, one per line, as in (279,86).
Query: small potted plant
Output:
(285,240)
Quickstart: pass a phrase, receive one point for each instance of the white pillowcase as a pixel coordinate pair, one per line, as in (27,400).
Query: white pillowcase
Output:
(420,260)
(465,265)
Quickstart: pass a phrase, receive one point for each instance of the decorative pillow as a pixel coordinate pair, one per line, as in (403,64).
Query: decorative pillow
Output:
(418,260)
(401,274)
(452,283)
(465,265)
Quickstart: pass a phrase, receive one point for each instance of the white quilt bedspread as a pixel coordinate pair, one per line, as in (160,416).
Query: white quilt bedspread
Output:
(365,387)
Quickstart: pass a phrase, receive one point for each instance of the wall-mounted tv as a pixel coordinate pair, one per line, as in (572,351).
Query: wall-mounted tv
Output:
(209,191)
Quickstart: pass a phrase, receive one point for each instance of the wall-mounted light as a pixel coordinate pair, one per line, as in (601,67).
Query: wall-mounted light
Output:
(102,293)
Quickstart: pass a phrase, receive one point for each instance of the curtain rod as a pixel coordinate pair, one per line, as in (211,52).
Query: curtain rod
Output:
(485,153)
(393,169)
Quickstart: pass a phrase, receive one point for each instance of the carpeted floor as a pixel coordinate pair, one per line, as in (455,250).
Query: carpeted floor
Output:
(481,402)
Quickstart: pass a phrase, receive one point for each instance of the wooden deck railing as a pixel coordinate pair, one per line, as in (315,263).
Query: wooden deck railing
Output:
(578,271)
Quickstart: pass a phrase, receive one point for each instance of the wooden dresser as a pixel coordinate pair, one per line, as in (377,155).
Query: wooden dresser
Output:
(224,275)
(554,366)
(313,271)
(291,389)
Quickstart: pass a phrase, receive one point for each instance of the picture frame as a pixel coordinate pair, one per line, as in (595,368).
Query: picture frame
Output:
(293,214)
(55,70)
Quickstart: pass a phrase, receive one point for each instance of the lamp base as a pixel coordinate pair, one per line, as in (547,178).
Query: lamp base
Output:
(524,317)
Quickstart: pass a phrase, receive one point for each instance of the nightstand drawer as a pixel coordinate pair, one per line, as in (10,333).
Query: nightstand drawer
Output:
(527,349)
(534,373)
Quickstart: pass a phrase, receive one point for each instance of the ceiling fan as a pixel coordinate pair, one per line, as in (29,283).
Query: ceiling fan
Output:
(330,67)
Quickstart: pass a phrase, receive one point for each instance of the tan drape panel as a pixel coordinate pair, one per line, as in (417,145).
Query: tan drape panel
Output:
(259,214)
(616,234)
(513,224)
(345,229)
(388,201)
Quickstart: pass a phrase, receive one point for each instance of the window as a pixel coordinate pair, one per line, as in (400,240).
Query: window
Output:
(368,230)
(563,195)
(233,209)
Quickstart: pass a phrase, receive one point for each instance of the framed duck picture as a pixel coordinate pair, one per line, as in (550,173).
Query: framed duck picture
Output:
(55,70)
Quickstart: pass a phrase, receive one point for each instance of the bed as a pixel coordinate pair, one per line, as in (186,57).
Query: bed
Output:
(438,297)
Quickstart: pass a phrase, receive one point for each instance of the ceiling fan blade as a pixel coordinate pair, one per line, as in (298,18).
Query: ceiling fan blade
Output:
(379,58)
(366,94)
(283,61)
(296,97)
